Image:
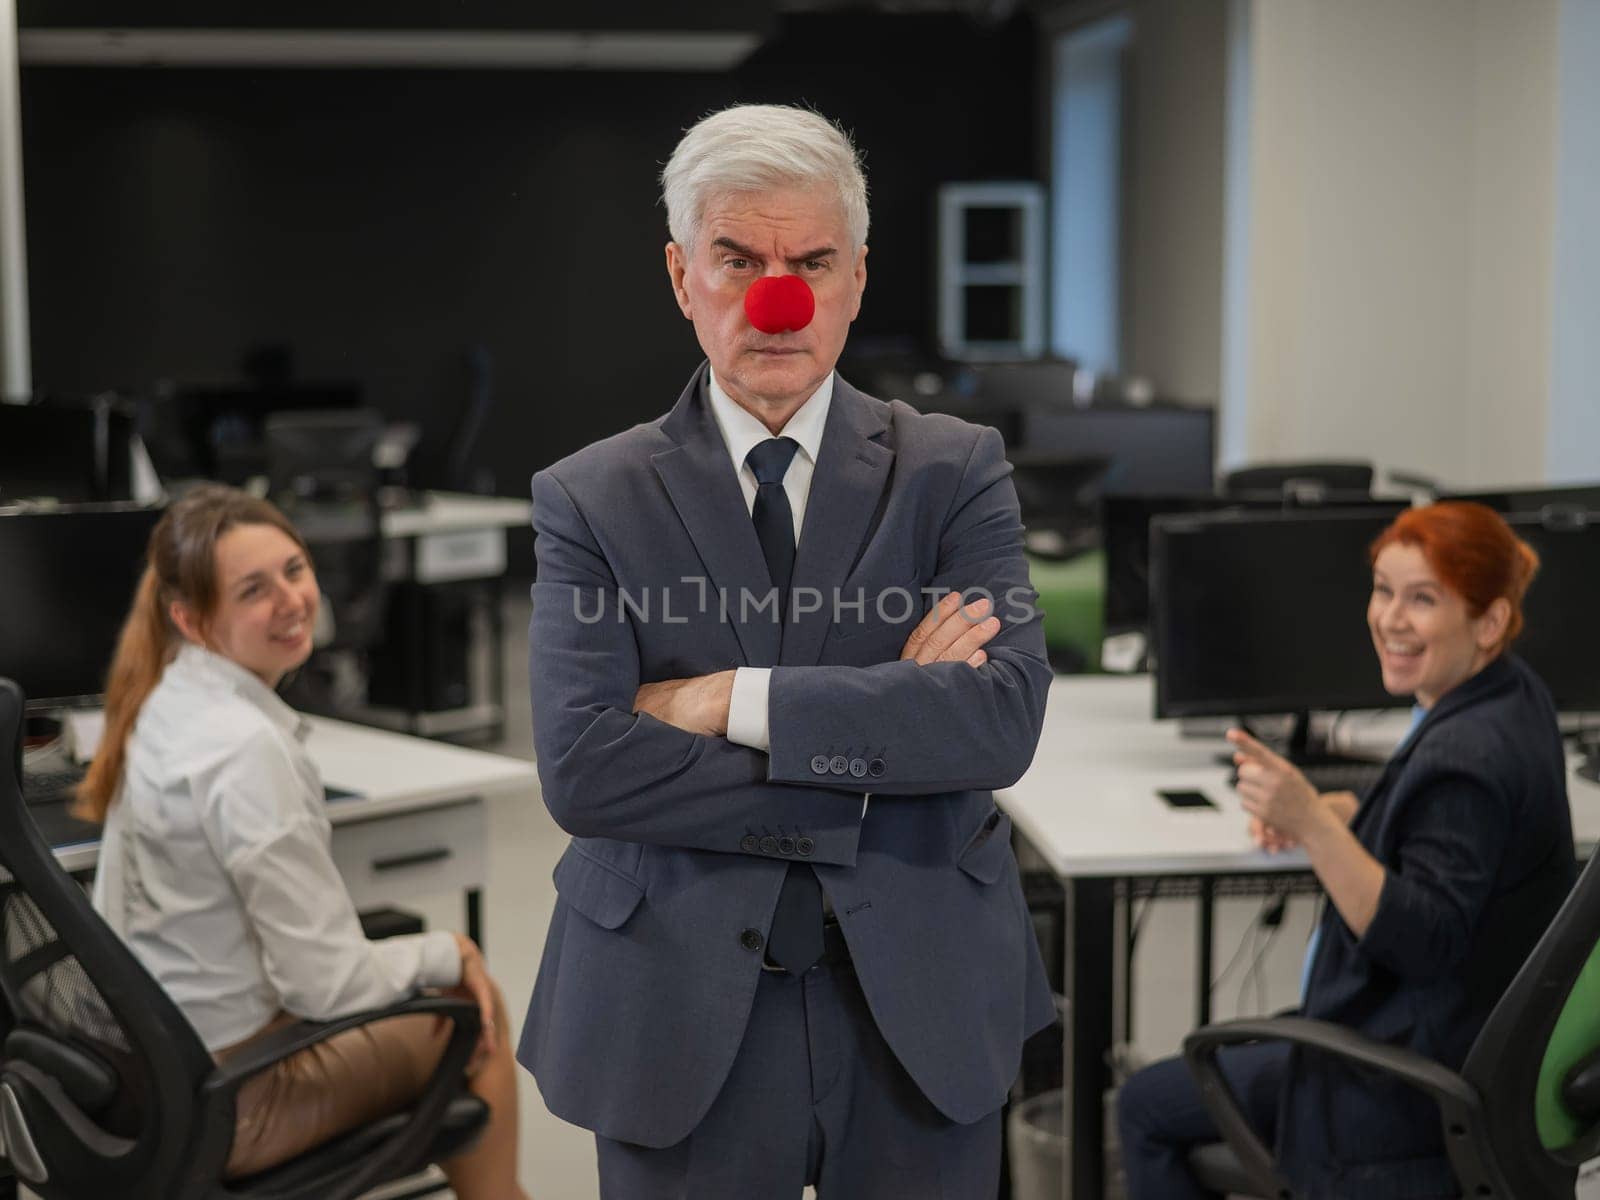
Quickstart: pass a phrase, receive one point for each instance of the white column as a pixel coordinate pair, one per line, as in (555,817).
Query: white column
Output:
(15,372)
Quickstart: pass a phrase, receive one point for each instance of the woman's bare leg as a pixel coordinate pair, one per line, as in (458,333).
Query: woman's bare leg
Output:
(488,1171)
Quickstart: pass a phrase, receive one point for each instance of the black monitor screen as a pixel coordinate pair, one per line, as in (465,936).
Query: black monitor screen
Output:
(1575,497)
(47,452)
(1255,613)
(1168,448)
(67,581)
(1560,636)
(1125,534)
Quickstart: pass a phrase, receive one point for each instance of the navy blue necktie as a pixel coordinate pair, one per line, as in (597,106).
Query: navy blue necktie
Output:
(795,942)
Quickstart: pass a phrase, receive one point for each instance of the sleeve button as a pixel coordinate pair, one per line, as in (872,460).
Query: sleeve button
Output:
(748,843)
(769,845)
(858,767)
(804,846)
(786,846)
(819,765)
(876,768)
(751,939)
(838,764)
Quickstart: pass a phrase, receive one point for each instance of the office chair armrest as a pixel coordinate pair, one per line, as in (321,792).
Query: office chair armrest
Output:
(302,1035)
(1457,1100)
(404,1151)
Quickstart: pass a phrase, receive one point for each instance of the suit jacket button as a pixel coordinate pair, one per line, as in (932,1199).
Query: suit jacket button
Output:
(748,843)
(769,845)
(819,765)
(876,768)
(786,846)
(804,846)
(858,767)
(750,939)
(838,764)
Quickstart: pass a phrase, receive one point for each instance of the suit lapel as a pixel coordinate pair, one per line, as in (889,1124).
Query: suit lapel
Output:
(852,471)
(705,491)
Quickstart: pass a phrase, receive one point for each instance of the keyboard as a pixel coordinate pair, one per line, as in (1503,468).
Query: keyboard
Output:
(51,786)
(1349,776)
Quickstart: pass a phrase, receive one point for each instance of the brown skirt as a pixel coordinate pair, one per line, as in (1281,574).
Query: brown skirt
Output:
(350,1080)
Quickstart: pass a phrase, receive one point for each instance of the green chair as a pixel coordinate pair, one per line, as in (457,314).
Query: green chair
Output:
(1517,1122)
(1071,596)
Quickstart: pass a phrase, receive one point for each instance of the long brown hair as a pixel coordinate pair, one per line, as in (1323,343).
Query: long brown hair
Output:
(180,564)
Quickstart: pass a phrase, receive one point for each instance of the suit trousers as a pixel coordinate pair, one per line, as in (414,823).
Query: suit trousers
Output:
(1161,1117)
(815,1096)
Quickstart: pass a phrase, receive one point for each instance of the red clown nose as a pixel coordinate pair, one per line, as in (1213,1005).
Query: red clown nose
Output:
(779,303)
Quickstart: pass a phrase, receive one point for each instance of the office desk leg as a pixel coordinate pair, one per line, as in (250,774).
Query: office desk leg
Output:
(1208,907)
(1088,968)
(475,915)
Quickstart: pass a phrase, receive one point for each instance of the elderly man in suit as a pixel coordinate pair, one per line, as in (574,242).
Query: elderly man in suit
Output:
(783,647)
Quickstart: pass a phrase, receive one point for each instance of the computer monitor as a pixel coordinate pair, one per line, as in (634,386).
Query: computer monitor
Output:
(1125,536)
(1259,613)
(218,432)
(1165,448)
(1561,633)
(1573,497)
(68,453)
(66,586)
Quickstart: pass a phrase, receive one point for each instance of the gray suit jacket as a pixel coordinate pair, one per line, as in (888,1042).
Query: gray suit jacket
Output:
(680,843)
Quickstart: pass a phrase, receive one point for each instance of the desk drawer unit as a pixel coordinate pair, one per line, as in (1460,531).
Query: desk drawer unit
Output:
(390,859)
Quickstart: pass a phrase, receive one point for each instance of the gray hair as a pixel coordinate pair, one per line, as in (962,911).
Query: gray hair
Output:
(754,148)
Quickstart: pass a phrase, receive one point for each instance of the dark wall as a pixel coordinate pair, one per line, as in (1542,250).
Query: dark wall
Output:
(379,222)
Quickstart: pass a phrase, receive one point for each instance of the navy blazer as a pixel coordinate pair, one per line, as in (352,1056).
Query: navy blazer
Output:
(681,842)
(1471,822)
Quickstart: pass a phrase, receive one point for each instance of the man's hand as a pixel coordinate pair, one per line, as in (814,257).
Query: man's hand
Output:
(950,633)
(697,705)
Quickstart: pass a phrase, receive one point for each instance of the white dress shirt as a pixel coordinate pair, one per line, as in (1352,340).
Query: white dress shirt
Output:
(215,865)
(747,708)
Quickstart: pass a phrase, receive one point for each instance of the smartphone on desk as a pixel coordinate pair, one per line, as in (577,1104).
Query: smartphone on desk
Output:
(1186,798)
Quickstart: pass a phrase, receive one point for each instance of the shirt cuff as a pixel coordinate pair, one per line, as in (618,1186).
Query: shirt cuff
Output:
(747,708)
(441,960)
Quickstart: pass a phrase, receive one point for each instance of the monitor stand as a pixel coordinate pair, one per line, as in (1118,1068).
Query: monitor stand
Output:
(1302,750)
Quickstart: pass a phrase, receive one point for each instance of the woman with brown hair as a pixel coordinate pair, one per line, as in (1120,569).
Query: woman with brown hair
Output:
(1439,880)
(215,863)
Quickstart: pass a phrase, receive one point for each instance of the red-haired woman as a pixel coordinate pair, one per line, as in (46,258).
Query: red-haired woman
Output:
(1439,880)
(215,863)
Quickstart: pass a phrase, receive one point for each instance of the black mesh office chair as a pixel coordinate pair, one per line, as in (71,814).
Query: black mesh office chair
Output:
(1519,1117)
(105,1088)
(1303,480)
(321,473)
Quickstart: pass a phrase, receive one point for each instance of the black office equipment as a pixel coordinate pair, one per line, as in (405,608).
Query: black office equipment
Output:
(322,475)
(1309,479)
(1125,537)
(1561,612)
(219,432)
(105,1087)
(1259,613)
(66,585)
(1535,501)
(72,453)
(1166,448)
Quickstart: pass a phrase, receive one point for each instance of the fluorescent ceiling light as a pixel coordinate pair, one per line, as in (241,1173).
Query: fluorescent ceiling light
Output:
(632,51)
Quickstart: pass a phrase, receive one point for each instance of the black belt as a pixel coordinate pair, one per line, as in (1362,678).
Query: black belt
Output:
(835,952)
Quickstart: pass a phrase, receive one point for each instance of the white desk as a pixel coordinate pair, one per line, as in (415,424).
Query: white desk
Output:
(417,823)
(1089,806)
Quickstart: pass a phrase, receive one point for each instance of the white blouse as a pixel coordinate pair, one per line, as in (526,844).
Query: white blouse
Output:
(215,865)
